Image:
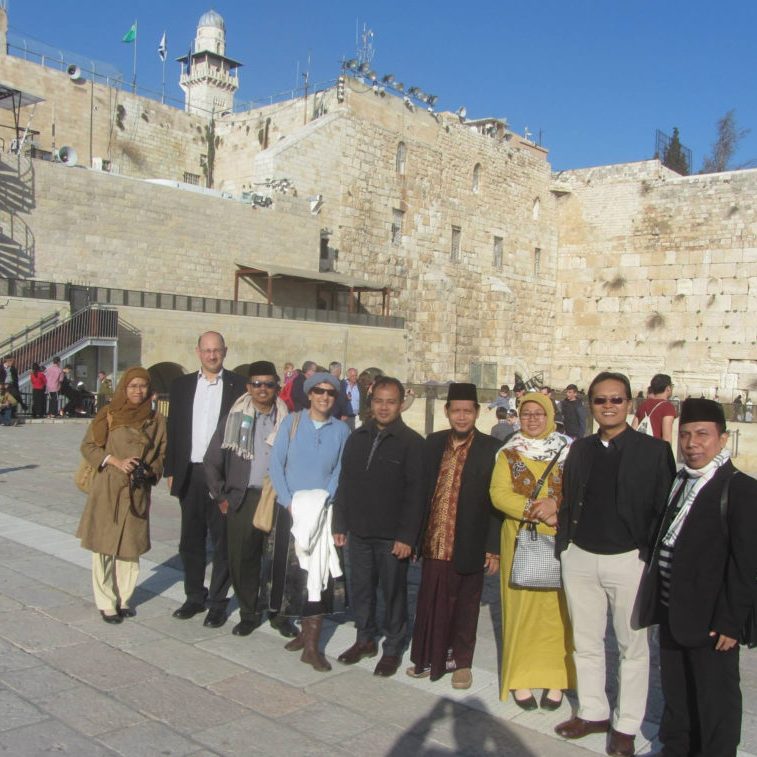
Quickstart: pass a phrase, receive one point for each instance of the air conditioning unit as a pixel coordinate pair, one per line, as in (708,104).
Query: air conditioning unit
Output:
(97,164)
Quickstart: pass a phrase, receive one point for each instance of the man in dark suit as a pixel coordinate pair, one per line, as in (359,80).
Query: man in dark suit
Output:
(459,543)
(379,503)
(700,585)
(615,486)
(197,401)
(298,395)
(236,464)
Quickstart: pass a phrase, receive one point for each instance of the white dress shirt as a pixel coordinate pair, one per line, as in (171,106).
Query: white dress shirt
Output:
(205,413)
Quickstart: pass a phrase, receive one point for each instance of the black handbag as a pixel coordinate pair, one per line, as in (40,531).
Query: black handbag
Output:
(748,632)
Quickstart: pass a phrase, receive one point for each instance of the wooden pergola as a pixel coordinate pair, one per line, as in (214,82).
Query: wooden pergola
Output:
(263,276)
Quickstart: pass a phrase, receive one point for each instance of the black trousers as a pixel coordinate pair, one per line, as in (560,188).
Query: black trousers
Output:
(702,715)
(372,564)
(38,403)
(199,516)
(245,551)
(52,403)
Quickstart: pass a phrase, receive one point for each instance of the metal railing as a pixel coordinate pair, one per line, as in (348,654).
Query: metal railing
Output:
(191,303)
(30,332)
(90,323)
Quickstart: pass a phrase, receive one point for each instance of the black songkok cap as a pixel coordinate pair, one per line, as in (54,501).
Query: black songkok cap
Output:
(462,392)
(263,368)
(696,409)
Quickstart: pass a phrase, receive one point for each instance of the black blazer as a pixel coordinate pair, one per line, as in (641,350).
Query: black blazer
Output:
(179,450)
(713,582)
(645,473)
(478,524)
(384,500)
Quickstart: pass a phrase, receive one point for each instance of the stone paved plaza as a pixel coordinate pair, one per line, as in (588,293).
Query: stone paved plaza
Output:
(154,685)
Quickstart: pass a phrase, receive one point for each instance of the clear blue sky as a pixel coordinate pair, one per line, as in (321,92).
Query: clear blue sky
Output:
(596,77)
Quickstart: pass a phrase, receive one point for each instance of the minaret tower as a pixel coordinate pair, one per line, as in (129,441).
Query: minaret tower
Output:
(209,79)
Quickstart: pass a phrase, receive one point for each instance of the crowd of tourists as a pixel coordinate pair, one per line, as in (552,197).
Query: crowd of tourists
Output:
(303,477)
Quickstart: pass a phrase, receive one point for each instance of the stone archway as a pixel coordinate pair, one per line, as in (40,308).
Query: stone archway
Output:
(162,374)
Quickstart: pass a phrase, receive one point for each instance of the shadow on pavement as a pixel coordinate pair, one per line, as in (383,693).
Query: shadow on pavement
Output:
(474,732)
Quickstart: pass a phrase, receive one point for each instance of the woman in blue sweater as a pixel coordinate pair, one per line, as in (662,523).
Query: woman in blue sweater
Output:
(306,456)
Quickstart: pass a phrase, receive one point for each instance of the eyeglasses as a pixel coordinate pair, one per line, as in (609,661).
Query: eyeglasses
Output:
(605,400)
(528,416)
(258,384)
(321,390)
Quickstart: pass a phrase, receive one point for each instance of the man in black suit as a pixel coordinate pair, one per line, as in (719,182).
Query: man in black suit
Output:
(615,486)
(700,586)
(379,503)
(459,543)
(197,401)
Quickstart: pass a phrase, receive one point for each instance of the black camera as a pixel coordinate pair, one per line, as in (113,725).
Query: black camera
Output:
(142,475)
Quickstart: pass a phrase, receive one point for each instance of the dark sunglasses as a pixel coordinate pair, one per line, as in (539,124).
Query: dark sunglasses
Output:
(258,384)
(321,390)
(605,400)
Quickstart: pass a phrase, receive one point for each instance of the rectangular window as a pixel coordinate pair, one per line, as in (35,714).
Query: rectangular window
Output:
(397,218)
(483,375)
(191,178)
(537,261)
(497,257)
(455,248)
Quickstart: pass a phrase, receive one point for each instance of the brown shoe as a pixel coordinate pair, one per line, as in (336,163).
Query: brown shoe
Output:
(462,678)
(387,666)
(577,728)
(357,651)
(620,744)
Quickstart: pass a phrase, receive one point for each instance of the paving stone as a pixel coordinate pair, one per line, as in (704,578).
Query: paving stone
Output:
(190,631)
(16,712)
(183,660)
(33,631)
(50,736)
(89,711)
(8,605)
(100,665)
(390,740)
(122,636)
(265,695)
(147,739)
(255,734)
(181,704)
(39,681)
(266,654)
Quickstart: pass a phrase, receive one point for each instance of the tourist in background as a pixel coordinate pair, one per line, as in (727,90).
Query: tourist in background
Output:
(38,381)
(657,408)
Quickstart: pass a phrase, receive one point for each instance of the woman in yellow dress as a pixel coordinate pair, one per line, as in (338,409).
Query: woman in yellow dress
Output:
(536,634)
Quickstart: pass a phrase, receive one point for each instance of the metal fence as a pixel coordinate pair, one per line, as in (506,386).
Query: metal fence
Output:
(190,303)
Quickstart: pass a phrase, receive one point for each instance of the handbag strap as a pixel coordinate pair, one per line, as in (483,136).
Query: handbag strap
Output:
(547,471)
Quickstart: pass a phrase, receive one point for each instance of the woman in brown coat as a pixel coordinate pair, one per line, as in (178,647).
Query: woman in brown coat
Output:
(115,523)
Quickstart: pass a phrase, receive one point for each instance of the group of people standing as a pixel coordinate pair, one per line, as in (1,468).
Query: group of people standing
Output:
(630,535)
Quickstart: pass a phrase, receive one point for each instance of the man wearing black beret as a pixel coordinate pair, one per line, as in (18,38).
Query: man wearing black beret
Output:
(700,587)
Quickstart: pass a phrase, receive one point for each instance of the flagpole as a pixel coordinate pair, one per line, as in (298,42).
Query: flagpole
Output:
(163,86)
(134,67)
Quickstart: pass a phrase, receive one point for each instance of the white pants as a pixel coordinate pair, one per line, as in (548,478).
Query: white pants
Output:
(113,580)
(592,582)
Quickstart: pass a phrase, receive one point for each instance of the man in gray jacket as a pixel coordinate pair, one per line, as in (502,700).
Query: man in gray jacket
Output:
(235,464)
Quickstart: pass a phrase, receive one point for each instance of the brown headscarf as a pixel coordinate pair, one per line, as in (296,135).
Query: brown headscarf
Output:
(122,412)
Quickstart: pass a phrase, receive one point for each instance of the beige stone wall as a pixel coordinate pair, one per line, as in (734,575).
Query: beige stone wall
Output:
(140,137)
(95,228)
(18,313)
(167,336)
(658,274)
(460,311)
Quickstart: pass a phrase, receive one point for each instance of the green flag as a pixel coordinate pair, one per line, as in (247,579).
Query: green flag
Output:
(131,35)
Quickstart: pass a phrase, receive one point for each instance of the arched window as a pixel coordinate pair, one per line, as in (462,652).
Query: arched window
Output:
(401,158)
(476,178)
(536,209)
